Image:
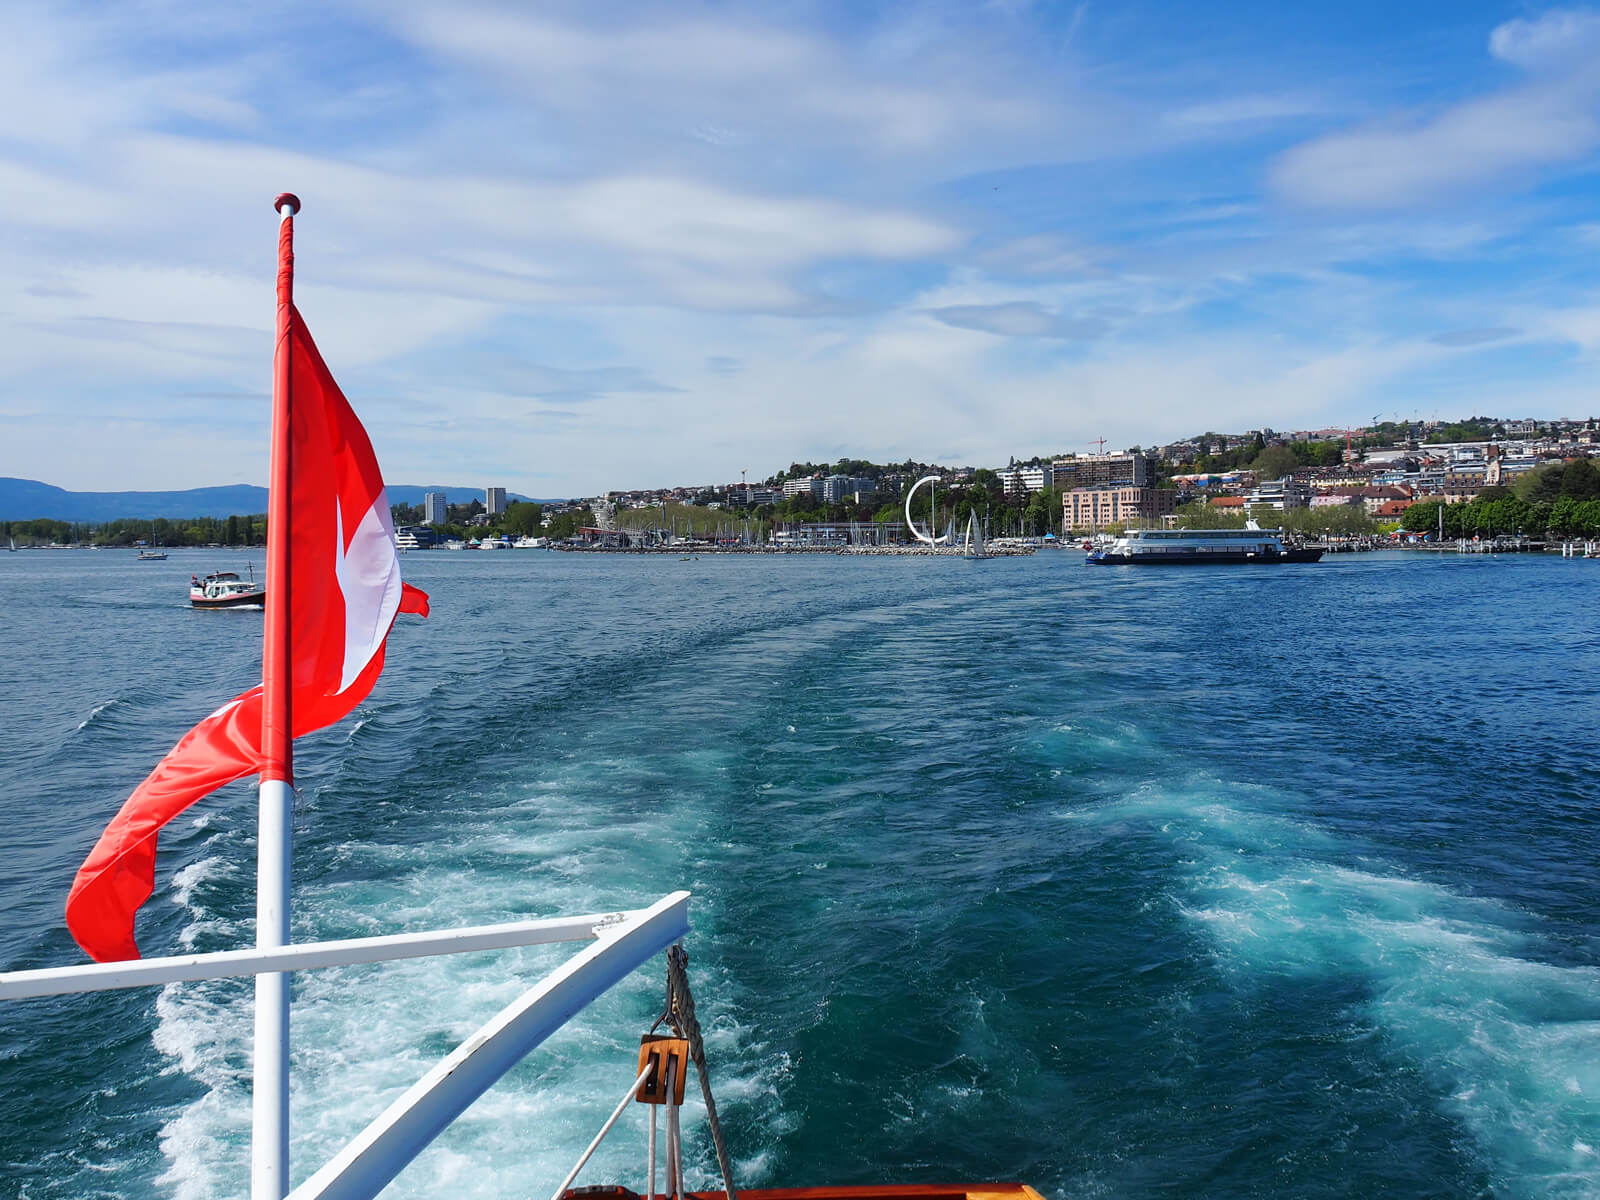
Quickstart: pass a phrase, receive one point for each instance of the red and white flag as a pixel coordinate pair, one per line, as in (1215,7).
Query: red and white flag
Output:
(344,592)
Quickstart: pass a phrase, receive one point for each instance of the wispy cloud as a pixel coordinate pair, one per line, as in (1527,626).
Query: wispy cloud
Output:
(1022,318)
(668,76)
(1511,134)
(1248,110)
(1473,337)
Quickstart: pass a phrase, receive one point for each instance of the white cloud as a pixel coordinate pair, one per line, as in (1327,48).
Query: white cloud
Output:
(1512,134)
(1560,39)
(1577,326)
(654,82)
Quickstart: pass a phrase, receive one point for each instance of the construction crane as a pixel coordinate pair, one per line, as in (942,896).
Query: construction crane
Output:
(1100,442)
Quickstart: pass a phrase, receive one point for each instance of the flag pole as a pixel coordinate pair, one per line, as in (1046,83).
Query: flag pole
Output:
(269,1147)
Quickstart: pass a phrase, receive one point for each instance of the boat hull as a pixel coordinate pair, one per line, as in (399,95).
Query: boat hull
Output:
(914,1191)
(234,600)
(1106,558)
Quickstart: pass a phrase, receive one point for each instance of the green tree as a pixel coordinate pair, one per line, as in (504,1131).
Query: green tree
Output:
(1542,484)
(565,525)
(1422,517)
(1581,480)
(1197,514)
(1275,462)
(522,518)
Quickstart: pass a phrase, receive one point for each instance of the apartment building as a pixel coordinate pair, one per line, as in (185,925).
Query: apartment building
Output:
(1019,481)
(1095,508)
(1281,494)
(1101,470)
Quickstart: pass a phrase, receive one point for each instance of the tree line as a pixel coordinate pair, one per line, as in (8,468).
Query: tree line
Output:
(1267,462)
(1334,520)
(236,530)
(1505,516)
(1560,499)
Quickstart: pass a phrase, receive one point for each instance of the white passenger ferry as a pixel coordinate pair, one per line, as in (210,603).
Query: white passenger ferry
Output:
(1176,547)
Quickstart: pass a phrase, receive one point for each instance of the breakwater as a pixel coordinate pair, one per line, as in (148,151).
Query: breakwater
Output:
(895,551)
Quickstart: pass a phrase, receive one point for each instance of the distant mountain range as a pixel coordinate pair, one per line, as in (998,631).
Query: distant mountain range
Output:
(28,499)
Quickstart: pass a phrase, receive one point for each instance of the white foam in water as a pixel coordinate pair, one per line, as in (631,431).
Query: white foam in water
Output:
(1511,1043)
(362,1035)
(206,1029)
(93,713)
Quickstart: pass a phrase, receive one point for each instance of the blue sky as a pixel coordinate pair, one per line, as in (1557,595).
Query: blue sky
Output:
(574,247)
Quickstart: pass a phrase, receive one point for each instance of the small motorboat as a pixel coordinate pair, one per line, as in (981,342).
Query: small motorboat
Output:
(224,589)
(151,556)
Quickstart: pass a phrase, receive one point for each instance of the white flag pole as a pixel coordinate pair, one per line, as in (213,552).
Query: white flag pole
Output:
(269,1143)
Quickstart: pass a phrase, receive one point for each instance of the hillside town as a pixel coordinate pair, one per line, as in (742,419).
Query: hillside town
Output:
(1322,481)
(1406,482)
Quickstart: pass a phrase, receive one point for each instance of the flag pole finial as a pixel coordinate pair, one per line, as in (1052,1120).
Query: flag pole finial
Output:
(286,198)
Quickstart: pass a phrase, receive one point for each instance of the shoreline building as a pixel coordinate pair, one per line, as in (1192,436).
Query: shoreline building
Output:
(1095,508)
(836,489)
(1280,494)
(434,508)
(1101,470)
(1021,481)
(494,501)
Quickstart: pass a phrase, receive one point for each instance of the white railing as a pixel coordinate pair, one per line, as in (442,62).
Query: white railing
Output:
(622,941)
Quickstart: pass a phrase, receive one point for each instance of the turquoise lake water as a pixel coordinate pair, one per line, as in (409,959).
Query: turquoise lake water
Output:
(1219,882)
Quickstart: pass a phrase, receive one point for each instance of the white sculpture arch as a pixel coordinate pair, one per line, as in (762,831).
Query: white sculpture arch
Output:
(915,532)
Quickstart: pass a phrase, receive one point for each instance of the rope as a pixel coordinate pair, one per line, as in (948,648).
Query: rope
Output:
(680,1015)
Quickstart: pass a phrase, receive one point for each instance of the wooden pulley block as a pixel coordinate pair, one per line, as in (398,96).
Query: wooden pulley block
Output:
(670,1057)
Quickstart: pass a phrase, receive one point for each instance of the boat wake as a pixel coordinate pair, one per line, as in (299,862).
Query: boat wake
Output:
(1461,990)
(362,1035)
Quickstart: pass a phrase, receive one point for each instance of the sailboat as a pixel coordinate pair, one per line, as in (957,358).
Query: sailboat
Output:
(339,557)
(973,547)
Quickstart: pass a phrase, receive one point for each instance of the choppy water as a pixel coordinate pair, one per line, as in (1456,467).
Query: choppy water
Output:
(1201,883)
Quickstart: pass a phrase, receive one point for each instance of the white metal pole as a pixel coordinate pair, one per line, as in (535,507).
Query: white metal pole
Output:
(377,1154)
(616,1115)
(674,1182)
(222,964)
(269,1153)
(650,1193)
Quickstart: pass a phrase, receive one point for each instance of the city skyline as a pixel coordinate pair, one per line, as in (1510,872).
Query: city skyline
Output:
(652,243)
